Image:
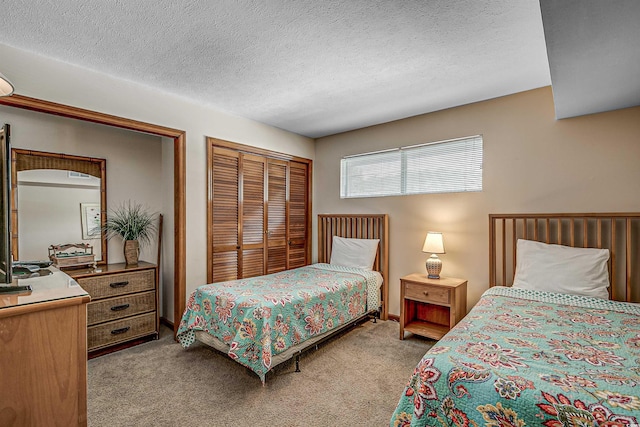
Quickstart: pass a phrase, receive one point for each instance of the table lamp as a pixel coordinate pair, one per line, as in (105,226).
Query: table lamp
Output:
(434,245)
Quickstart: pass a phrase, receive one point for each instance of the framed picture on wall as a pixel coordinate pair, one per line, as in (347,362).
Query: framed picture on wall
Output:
(90,219)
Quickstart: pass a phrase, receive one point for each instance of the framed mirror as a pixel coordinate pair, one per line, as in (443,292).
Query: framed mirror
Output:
(57,199)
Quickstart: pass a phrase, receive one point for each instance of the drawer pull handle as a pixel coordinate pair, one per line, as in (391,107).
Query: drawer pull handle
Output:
(120,331)
(426,294)
(119,307)
(119,284)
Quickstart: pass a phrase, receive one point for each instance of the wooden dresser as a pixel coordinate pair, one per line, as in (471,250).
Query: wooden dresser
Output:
(43,353)
(124,305)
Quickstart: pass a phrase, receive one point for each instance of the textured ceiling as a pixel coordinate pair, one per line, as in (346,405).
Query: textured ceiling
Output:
(311,67)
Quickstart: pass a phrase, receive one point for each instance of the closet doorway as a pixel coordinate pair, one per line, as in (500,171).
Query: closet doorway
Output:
(179,169)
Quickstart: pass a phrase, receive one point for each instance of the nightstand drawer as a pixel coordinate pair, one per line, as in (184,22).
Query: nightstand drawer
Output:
(425,293)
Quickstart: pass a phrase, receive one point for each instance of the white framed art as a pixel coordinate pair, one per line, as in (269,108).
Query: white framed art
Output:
(90,219)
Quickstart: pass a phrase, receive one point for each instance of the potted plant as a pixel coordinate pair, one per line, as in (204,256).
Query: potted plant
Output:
(134,224)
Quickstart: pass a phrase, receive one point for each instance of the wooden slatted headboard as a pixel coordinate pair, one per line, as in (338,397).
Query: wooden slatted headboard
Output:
(359,227)
(618,232)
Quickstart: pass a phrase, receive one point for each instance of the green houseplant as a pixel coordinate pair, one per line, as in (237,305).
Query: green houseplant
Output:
(134,224)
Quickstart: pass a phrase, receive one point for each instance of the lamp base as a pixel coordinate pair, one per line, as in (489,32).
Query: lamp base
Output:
(434,266)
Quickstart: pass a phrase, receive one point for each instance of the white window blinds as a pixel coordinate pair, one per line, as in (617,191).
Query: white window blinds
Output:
(440,167)
(371,175)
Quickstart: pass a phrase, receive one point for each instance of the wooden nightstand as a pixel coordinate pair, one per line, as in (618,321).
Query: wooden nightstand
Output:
(431,307)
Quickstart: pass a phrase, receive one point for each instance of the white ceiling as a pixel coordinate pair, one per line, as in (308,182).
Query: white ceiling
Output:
(311,67)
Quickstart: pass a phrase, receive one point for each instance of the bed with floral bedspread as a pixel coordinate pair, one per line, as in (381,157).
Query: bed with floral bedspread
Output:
(262,317)
(530,358)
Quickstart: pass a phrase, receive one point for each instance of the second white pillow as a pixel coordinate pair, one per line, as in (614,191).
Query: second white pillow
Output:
(557,268)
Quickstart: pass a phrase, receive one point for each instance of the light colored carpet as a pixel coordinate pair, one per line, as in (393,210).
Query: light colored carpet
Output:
(353,380)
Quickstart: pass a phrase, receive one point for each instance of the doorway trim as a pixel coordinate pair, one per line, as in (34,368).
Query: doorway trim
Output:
(179,177)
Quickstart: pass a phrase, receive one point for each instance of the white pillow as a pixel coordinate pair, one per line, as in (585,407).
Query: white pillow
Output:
(557,268)
(360,253)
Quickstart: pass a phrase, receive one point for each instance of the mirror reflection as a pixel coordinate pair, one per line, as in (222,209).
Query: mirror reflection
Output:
(57,199)
(57,207)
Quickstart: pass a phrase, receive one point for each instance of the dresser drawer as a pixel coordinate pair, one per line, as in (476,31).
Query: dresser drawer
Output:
(118,307)
(425,293)
(121,330)
(111,285)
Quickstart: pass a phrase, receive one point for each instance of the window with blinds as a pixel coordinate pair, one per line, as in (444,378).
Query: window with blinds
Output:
(439,167)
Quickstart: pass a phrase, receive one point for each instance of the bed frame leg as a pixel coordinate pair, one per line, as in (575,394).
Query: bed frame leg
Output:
(297,363)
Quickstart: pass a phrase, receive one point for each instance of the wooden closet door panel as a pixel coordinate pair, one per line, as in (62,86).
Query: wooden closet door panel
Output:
(225,266)
(252,262)
(252,222)
(225,214)
(277,235)
(277,259)
(298,214)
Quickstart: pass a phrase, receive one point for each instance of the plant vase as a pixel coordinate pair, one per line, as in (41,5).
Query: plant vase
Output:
(131,252)
(134,225)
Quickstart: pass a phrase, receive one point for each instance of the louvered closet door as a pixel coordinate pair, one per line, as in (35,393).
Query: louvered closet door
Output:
(259,213)
(252,222)
(225,213)
(298,214)
(277,216)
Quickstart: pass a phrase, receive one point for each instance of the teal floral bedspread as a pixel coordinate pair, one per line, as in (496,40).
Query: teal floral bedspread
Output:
(263,316)
(527,358)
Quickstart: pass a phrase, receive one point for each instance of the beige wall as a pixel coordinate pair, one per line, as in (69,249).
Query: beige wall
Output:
(532,163)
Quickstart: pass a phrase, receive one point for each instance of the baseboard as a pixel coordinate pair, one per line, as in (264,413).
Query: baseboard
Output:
(393,317)
(166,322)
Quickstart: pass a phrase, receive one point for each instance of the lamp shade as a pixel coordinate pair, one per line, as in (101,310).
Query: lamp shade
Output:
(6,88)
(433,243)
